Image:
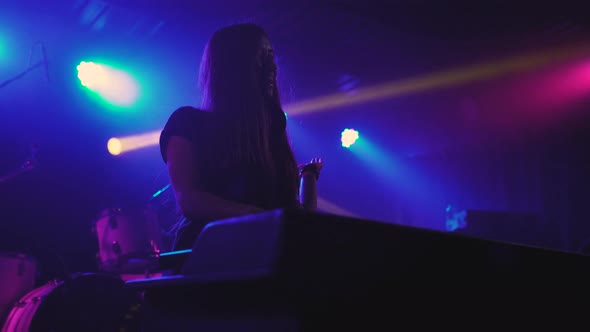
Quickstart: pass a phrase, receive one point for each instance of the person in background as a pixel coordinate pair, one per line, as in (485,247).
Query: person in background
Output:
(232,157)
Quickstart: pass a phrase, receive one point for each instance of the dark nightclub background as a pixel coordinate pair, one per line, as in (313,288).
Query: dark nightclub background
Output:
(511,143)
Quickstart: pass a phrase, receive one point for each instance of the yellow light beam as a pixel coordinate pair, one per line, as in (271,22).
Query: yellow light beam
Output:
(441,79)
(118,145)
(447,78)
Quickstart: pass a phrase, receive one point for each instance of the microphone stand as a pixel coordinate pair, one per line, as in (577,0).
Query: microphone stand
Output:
(31,67)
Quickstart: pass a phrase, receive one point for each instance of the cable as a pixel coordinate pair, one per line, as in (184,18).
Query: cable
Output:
(21,75)
(38,43)
(30,66)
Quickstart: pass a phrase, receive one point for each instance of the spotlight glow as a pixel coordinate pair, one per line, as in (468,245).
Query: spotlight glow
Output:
(113,85)
(114,146)
(3,50)
(349,137)
(92,75)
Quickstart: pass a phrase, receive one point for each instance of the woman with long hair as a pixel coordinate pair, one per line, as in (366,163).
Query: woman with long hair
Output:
(232,157)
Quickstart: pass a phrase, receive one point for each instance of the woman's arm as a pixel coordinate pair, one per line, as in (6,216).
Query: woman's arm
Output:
(308,184)
(196,204)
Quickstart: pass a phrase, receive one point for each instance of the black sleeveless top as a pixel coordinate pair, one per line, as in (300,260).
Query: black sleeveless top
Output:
(242,183)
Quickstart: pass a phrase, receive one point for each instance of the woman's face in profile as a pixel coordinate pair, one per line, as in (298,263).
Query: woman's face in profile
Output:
(267,66)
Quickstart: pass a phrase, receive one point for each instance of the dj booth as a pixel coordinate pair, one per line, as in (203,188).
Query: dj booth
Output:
(291,270)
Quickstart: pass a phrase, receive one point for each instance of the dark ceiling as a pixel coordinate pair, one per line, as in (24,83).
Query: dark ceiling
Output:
(347,23)
(376,40)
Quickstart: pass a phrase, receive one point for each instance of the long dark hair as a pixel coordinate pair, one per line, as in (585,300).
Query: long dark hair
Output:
(231,87)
